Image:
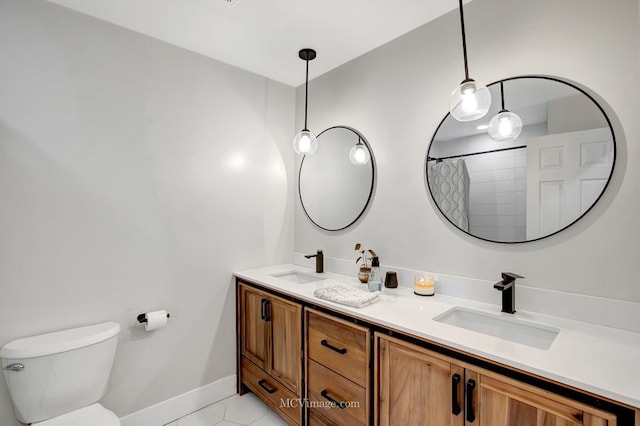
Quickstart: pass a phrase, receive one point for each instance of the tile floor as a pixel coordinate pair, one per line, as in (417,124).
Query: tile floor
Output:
(235,410)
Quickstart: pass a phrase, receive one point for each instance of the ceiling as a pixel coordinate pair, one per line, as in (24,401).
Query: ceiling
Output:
(264,36)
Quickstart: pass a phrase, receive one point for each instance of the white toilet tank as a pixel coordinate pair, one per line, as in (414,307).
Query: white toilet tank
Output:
(55,373)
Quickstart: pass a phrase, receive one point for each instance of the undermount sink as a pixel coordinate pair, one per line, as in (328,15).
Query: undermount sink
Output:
(514,330)
(298,277)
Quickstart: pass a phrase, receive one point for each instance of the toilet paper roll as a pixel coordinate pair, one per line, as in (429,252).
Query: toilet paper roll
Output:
(155,320)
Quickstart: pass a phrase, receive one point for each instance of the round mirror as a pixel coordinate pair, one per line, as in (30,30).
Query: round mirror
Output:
(527,188)
(336,182)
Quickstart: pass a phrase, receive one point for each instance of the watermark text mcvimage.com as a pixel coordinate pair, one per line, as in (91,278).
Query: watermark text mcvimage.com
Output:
(307,403)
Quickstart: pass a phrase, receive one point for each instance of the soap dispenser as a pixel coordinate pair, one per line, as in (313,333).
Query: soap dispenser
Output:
(375,277)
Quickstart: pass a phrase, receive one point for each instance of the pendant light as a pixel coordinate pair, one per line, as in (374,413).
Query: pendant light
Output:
(359,154)
(305,142)
(471,100)
(505,125)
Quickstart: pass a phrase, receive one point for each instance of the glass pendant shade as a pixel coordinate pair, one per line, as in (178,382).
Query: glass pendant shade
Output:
(470,101)
(305,143)
(359,154)
(505,126)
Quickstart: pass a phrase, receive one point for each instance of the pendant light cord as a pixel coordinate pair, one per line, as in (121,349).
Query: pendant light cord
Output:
(464,44)
(502,95)
(306,94)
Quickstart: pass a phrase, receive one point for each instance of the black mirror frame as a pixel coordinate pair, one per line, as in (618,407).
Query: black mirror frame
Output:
(613,164)
(373,180)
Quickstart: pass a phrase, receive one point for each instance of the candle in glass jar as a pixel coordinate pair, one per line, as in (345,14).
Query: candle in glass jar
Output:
(424,285)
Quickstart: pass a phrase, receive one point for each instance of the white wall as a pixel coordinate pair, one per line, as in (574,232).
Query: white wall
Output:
(134,176)
(397,94)
(571,114)
(497,207)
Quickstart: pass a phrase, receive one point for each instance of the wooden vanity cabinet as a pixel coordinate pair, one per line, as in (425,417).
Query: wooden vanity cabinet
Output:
(270,331)
(338,370)
(345,377)
(417,386)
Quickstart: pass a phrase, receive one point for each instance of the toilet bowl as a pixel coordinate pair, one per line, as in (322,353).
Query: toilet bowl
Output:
(57,379)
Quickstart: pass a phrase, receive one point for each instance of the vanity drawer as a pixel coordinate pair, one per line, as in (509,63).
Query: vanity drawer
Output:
(339,345)
(277,396)
(325,387)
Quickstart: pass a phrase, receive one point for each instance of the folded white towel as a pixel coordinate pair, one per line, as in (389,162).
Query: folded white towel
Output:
(347,296)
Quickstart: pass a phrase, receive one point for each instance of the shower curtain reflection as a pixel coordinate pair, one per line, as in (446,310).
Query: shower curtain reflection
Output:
(449,185)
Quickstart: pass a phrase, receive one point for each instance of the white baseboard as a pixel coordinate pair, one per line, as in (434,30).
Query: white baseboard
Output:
(167,411)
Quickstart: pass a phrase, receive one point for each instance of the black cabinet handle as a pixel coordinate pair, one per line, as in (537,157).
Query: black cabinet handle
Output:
(340,404)
(333,348)
(263,311)
(267,310)
(455,404)
(471,385)
(262,382)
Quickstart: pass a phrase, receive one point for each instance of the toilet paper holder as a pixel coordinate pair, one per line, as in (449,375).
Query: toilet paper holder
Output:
(142,318)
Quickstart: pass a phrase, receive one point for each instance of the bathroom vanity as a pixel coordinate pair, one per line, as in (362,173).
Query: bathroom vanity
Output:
(404,361)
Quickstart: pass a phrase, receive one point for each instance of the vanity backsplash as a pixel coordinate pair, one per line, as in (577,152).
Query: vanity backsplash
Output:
(595,310)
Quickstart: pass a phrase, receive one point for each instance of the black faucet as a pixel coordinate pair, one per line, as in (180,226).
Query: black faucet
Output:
(508,288)
(319,260)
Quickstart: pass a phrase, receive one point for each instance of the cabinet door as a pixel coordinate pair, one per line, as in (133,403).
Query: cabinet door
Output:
(416,388)
(286,335)
(504,404)
(255,339)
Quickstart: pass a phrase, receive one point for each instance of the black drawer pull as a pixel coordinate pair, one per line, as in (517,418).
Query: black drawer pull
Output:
(455,404)
(471,385)
(333,348)
(262,382)
(340,404)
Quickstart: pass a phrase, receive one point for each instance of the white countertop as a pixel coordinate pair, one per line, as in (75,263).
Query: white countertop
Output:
(598,359)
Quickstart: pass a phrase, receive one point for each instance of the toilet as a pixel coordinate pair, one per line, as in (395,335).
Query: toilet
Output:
(57,379)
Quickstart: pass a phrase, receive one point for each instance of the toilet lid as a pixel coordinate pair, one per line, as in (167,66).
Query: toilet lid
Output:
(94,415)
